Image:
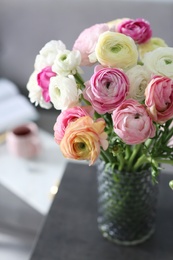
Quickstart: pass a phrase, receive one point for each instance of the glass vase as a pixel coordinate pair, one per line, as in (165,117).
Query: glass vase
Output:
(127,204)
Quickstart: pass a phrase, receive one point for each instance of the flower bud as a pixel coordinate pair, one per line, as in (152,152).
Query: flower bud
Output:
(171,184)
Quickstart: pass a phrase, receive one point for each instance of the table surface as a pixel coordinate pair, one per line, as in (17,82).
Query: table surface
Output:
(70,230)
(32,179)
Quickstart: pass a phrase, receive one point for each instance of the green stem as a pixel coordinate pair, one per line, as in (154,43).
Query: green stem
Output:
(79,80)
(148,143)
(139,162)
(164,161)
(127,152)
(121,162)
(106,157)
(168,137)
(134,153)
(85,101)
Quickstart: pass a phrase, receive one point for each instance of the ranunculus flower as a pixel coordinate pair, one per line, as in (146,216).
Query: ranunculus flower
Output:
(48,53)
(83,139)
(150,45)
(132,123)
(43,80)
(35,92)
(139,29)
(64,92)
(67,62)
(67,116)
(139,78)
(159,99)
(112,24)
(116,50)
(160,61)
(87,40)
(106,89)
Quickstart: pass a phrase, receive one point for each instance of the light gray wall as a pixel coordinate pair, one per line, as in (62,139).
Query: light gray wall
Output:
(26,25)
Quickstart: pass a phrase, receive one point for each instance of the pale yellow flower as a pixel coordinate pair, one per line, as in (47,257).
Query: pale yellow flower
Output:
(151,45)
(116,50)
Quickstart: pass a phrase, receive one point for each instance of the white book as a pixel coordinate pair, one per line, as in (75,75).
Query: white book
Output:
(7,89)
(15,109)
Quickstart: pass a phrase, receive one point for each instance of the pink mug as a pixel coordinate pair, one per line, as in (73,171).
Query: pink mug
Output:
(24,141)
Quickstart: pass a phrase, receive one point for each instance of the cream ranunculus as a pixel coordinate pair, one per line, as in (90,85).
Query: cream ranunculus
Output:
(116,50)
(160,61)
(139,78)
(64,92)
(35,92)
(67,62)
(150,45)
(48,53)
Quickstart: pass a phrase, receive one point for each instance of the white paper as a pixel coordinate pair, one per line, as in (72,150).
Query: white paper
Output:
(32,179)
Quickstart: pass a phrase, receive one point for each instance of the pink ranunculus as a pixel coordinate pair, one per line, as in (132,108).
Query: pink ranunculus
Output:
(132,123)
(68,116)
(159,99)
(43,80)
(106,89)
(139,29)
(87,40)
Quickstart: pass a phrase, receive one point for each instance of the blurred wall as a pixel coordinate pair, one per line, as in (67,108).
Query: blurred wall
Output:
(26,25)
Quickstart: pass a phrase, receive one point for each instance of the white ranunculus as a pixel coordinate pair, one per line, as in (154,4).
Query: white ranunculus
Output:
(139,78)
(160,61)
(48,53)
(63,92)
(151,45)
(67,62)
(92,57)
(35,92)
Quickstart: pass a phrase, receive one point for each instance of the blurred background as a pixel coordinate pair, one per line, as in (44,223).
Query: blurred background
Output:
(25,27)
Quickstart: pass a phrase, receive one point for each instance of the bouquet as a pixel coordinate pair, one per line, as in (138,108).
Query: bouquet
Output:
(123,114)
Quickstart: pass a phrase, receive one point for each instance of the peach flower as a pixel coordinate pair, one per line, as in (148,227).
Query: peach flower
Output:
(67,116)
(83,139)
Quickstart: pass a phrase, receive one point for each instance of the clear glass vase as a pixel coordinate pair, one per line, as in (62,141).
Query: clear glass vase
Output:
(127,204)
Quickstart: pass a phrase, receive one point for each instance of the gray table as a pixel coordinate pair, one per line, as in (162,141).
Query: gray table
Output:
(70,230)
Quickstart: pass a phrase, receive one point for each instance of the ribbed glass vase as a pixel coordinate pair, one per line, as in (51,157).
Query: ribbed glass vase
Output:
(127,204)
